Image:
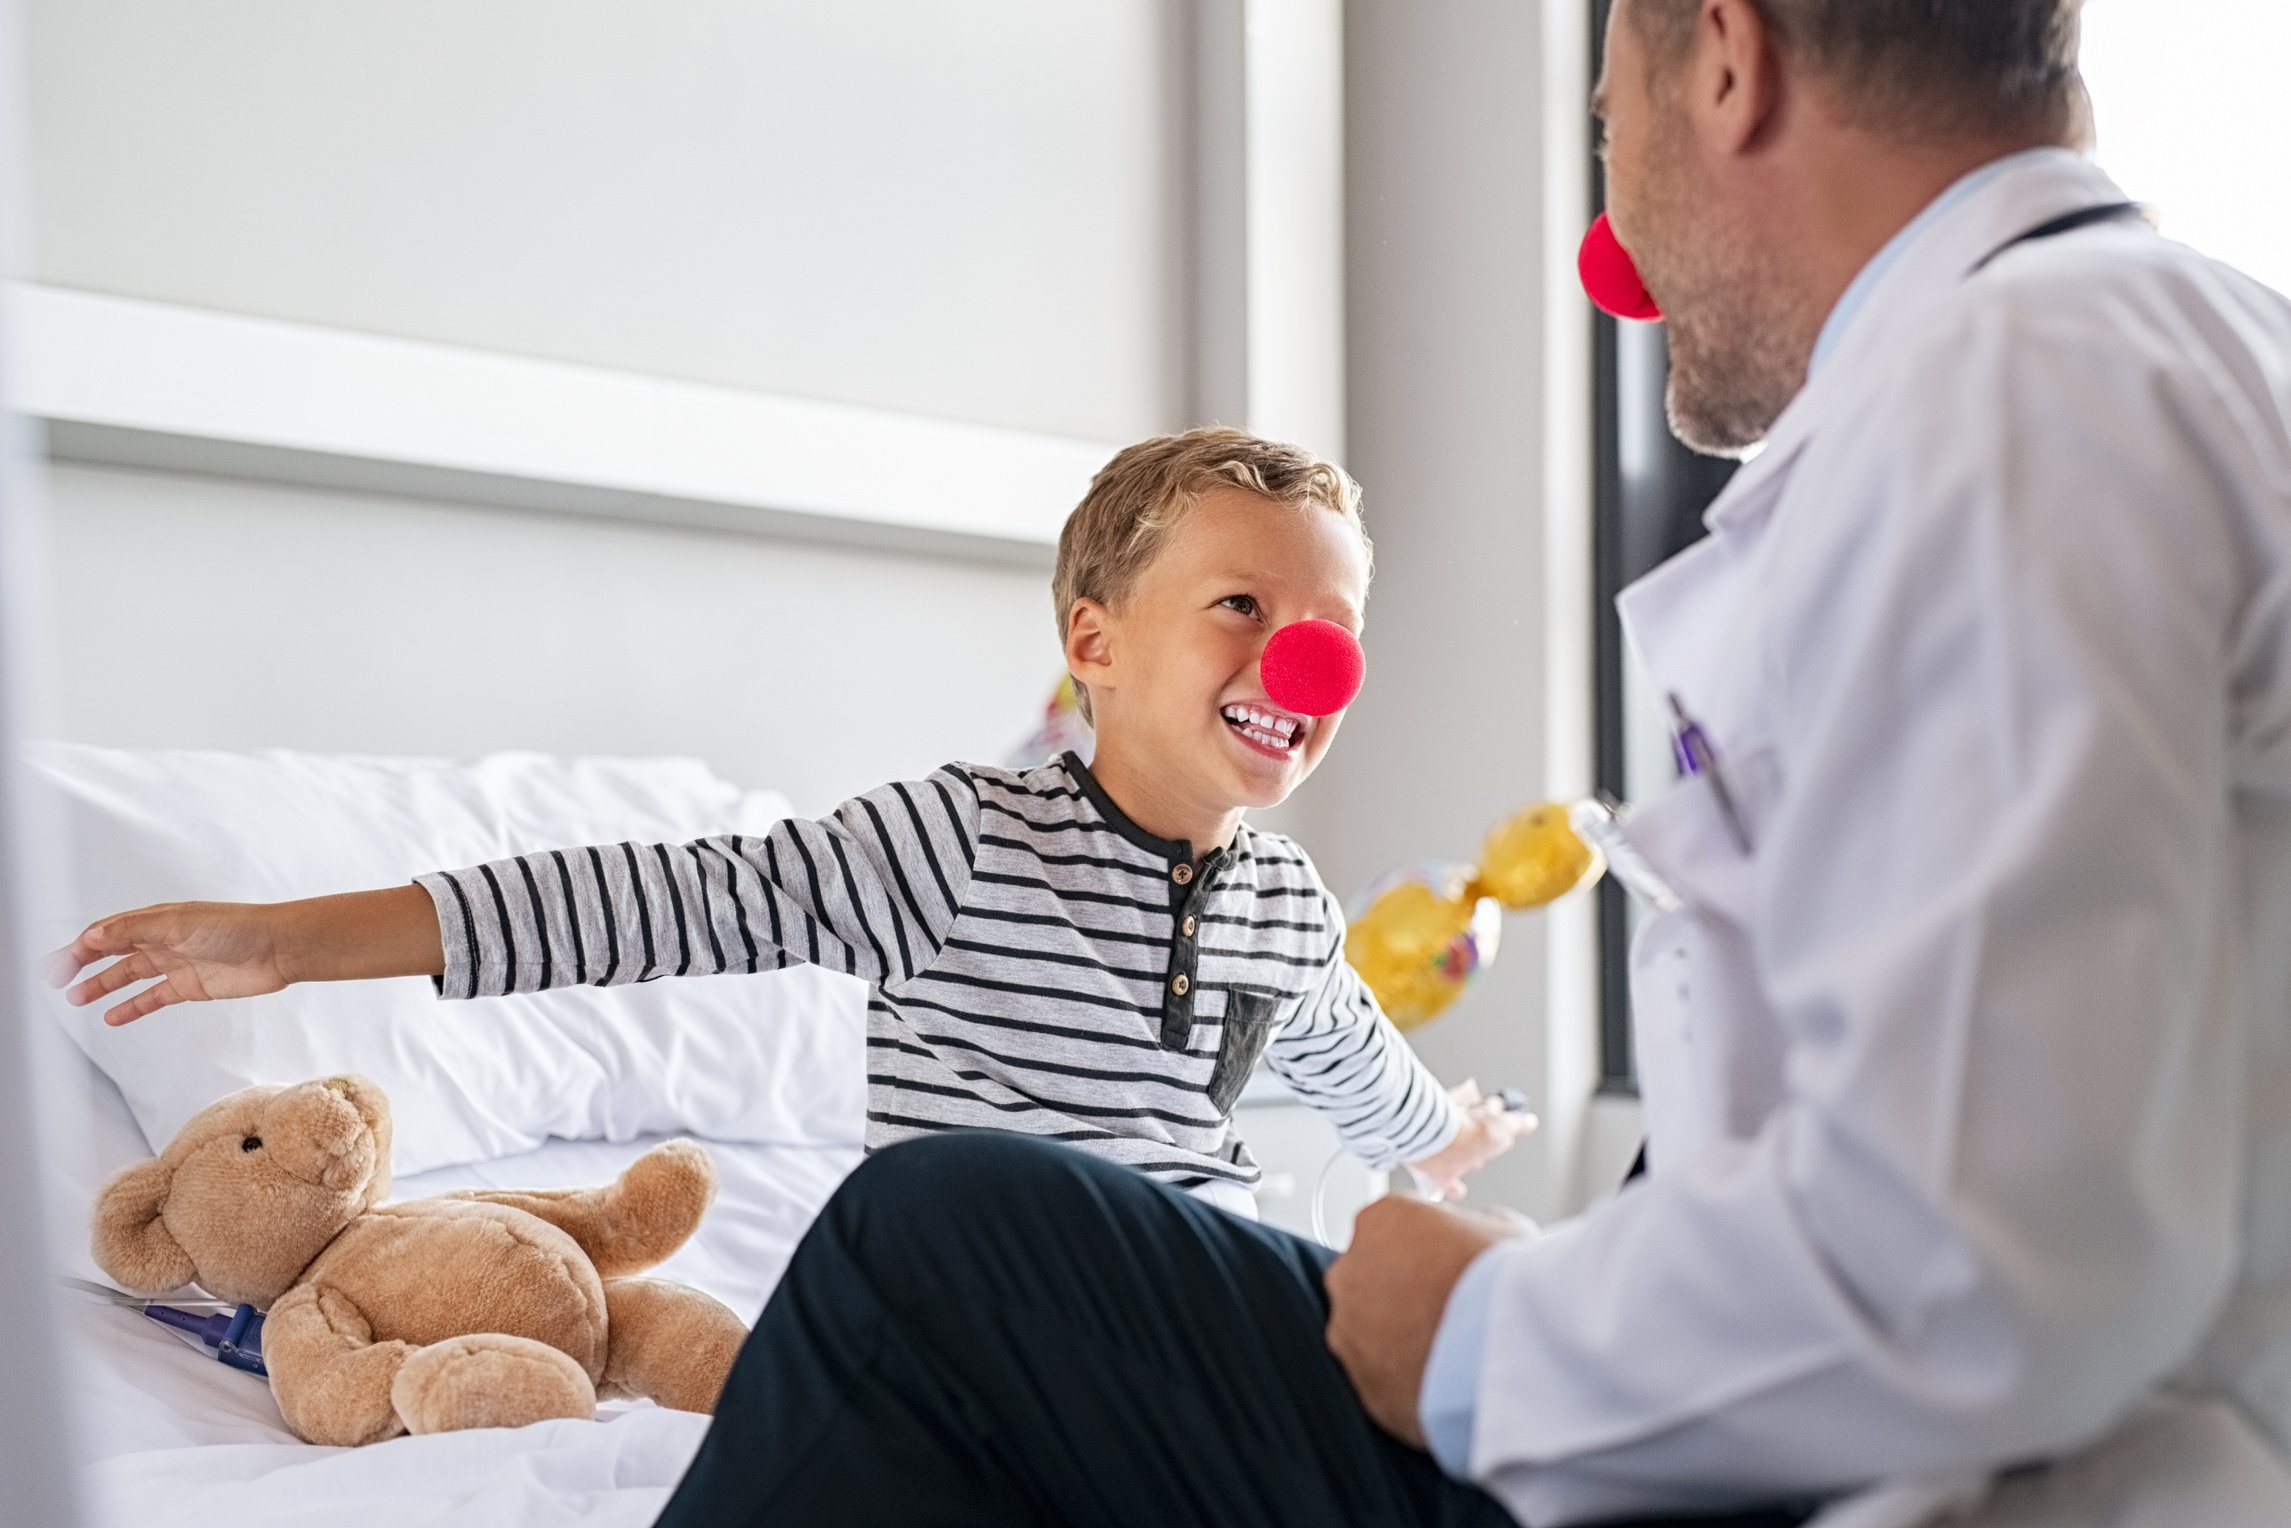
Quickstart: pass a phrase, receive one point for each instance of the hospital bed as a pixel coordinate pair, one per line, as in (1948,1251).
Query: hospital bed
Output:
(541,1092)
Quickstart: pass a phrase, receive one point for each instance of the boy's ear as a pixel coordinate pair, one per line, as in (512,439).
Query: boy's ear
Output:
(1089,644)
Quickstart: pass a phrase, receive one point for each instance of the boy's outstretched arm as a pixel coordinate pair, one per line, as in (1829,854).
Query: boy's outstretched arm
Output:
(871,891)
(203,950)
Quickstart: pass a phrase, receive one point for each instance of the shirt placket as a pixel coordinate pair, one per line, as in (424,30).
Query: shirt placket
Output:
(1189,896)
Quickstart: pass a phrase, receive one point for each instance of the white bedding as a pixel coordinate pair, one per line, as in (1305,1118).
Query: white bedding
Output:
(180,1440)
(778,1057)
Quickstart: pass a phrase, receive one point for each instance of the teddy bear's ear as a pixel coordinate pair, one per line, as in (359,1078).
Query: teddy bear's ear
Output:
(131,1242)
(373,1106)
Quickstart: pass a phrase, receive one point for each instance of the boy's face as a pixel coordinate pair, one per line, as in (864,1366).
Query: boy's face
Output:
(1172,669)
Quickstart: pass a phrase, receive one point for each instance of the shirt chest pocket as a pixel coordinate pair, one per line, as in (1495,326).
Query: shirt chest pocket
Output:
(1248,1028)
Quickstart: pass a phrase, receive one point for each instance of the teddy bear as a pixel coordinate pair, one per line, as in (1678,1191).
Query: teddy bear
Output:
(486,1308)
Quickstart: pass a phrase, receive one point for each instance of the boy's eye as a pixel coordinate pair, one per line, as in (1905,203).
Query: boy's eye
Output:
(1244,603)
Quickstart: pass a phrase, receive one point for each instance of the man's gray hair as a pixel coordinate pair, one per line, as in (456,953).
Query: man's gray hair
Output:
(1929,69)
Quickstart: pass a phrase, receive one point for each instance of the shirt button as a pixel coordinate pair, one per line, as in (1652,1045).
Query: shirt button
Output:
(1183,875)
(1187,927)
(1180,985)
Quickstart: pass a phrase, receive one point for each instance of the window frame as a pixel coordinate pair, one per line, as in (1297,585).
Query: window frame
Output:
(1647,507)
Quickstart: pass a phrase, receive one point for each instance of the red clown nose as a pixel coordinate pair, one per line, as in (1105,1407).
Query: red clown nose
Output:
(1611,277)
(1313,668)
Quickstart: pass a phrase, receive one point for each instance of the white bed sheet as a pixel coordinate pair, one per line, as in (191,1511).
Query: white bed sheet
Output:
(177,1439)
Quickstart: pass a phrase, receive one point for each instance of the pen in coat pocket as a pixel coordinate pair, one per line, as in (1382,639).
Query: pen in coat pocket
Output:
(1697,757)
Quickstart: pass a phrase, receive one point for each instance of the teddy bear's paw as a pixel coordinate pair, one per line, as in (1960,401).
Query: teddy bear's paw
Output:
(654,1208)
(489,1380)
(670,1342)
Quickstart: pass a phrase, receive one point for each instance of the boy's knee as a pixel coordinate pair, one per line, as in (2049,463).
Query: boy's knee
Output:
(966,1175)
(917,1213)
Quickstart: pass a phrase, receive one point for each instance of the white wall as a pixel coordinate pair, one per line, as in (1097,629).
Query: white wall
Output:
(961,210)
(2191,111)
(1444,261)
(969,212)
(202,612)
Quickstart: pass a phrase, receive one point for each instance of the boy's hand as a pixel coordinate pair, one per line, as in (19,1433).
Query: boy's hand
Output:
(200,950)
(1489,1130)
(204,950)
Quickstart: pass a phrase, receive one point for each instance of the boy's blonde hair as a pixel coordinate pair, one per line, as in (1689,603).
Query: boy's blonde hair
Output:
(1137,499)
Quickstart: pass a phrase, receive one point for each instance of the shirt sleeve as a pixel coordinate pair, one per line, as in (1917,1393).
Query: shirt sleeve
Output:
(871,891)
(1340,1054)
(1448,1402)
(1994,913)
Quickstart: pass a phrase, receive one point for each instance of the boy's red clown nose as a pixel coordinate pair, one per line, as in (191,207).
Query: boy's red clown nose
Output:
(1313,668)
(1611,276)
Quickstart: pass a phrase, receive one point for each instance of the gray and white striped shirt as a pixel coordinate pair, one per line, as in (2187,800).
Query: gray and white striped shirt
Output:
(1038,963)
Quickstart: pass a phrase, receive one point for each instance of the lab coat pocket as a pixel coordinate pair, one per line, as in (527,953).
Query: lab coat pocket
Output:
(1708,1053)
(1688,835)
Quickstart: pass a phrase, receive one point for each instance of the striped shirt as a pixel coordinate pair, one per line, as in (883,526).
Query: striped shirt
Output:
(1036,963)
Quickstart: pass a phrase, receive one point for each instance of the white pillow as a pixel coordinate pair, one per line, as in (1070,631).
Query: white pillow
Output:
(776,1058)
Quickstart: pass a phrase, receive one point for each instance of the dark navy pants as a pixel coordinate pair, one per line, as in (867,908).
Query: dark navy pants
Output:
(990,1331)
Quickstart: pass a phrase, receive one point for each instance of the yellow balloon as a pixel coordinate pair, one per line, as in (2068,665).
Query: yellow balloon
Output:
(1535,858)
(1421,939)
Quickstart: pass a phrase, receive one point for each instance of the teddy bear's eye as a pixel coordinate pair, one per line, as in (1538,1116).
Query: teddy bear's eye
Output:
(251,1143)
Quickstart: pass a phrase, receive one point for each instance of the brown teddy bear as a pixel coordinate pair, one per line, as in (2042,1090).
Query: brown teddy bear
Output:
(479,1309)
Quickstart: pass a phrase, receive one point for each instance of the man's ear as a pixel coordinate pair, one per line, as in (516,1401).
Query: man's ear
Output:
(131,1242)
(1090,645)
(1734,83)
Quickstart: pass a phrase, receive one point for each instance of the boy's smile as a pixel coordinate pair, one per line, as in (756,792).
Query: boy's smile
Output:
(1275,733)
(1187,739)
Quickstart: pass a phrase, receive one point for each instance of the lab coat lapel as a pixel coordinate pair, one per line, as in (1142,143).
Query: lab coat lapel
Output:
(1694,626)
(1685,621)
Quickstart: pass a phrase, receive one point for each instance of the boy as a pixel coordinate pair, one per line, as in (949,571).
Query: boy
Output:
(1097,954)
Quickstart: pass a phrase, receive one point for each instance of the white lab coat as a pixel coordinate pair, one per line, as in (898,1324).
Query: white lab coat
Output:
(1969,1089)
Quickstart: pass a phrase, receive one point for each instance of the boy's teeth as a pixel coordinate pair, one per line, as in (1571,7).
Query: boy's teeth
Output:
(1285,727)
(1263,726)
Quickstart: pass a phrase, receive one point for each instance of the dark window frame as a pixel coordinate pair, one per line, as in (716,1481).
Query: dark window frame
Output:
(1646,508)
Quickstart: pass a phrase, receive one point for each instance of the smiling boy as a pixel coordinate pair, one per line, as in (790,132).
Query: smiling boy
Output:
(1098,954)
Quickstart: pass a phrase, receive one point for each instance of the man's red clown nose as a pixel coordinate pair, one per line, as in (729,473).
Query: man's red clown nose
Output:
(1313,668)
(1611,277)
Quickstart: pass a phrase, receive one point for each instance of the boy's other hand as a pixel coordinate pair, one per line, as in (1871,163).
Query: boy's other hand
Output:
(198,950)
(1489,1130)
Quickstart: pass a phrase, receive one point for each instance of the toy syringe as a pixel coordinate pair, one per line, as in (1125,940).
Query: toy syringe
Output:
(233,1333)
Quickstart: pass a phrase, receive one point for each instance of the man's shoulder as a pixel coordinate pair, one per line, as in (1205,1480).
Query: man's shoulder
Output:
(2126,315)
(2089,276)
(2112,358)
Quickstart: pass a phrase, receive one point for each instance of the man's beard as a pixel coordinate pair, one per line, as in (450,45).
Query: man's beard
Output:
(1737,359)
(1740,336)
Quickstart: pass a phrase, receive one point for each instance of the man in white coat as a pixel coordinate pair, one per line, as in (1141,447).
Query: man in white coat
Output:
(1966,1048)
(1964,999)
